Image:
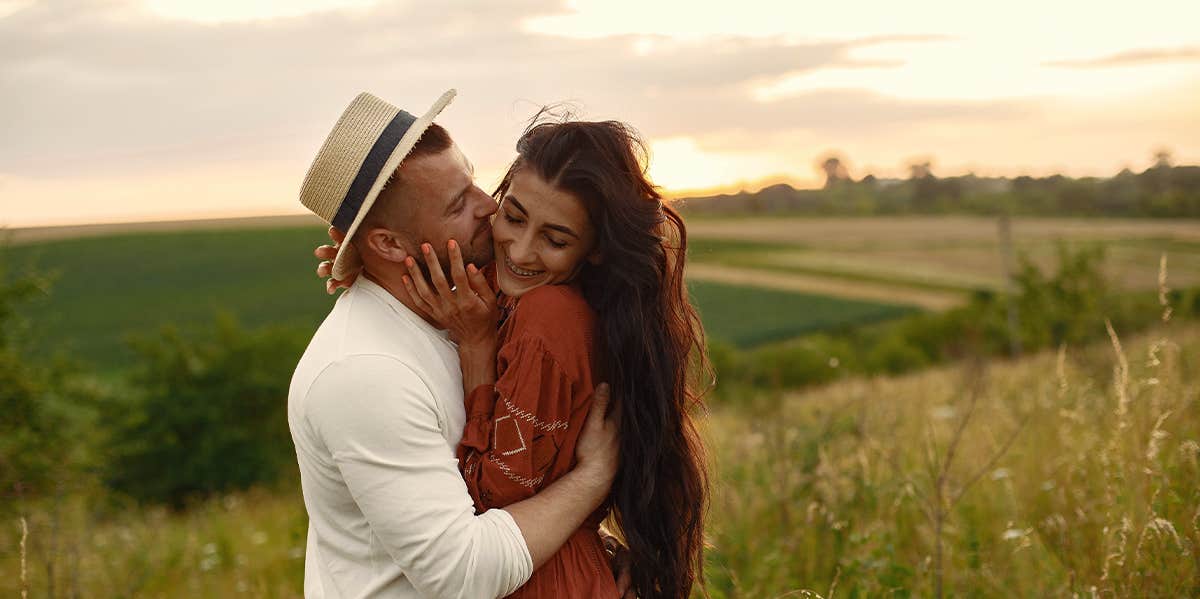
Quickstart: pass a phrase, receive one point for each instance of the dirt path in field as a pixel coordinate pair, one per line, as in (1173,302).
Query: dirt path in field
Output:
(904,231)
(930,300)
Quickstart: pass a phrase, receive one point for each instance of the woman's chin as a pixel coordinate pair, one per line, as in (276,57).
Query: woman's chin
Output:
(514,288)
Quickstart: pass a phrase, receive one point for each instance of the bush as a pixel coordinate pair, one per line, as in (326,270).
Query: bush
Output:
(38,444)
(210,414)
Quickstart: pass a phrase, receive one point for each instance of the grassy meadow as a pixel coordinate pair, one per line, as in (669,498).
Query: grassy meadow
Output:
(1070,472)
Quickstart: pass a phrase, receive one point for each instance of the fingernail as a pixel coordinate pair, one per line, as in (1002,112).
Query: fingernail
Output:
(407,281)
(452,244)
(425,247)
(602,388)
(409,261)
(471,268)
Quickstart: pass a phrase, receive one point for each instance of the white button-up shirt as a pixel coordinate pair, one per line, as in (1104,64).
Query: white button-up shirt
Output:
(376,410)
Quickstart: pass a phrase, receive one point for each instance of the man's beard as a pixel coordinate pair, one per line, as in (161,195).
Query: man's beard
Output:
(479,252)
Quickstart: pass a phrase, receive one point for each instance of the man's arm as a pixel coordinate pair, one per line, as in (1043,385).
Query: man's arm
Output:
(548,518)
(380,423)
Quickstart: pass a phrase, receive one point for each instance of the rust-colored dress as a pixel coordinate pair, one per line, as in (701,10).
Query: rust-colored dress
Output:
(520,433)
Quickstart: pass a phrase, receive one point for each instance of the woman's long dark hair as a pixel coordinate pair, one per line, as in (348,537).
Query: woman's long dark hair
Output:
(651,341)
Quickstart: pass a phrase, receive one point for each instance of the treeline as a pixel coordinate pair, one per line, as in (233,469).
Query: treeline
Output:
(1161,191)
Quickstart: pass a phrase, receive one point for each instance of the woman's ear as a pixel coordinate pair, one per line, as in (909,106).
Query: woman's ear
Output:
(595,258)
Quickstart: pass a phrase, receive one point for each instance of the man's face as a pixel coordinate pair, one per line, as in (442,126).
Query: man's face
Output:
(448,205)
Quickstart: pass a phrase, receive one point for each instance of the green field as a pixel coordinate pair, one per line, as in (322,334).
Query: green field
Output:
(105,289)
(747,316)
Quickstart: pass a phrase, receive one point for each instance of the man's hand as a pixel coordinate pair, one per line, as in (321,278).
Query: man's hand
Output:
(548,518)
(619,560)
(598,449)
(327,253)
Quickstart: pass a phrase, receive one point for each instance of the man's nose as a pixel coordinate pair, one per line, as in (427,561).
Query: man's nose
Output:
(485,204)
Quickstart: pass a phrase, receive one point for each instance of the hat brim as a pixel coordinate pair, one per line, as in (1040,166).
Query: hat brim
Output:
(347,262)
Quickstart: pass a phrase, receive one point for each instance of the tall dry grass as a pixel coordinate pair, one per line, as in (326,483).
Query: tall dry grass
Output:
(1070,473)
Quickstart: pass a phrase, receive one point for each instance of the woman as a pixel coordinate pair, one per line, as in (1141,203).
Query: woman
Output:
(589,267)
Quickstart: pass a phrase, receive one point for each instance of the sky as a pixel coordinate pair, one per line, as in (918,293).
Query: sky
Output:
(120,110)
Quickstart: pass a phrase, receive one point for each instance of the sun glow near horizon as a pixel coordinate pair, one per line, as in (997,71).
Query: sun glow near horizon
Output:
(725,99)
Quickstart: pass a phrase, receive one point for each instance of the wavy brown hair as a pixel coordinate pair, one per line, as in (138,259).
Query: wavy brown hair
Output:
(651,342)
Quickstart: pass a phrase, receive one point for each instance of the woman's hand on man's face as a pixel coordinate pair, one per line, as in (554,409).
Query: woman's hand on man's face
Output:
(468,309)
(326,253)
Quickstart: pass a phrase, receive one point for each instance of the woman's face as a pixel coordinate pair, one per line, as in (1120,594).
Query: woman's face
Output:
(542,235)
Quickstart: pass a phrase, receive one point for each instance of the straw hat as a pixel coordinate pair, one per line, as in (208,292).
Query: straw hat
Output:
(356,160)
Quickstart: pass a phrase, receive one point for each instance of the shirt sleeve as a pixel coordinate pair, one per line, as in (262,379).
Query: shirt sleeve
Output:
(515,428)
(381,424)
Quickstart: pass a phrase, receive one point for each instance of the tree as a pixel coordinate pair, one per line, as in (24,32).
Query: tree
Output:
(1162,158)
(210,415)
(35,396)
(834,169)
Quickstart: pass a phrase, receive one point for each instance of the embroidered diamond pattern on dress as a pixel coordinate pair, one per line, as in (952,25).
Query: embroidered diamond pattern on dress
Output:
(505,442)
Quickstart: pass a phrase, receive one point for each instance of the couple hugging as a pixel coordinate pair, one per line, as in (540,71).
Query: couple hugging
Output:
(451,415)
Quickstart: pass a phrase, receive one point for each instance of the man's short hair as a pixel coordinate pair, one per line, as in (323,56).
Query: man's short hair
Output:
(389,211)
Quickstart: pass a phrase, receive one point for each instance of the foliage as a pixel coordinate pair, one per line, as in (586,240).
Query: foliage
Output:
(209,414)
(42,401)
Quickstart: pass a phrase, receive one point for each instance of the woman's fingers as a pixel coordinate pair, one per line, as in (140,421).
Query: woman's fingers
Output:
(480,286)
(458,272)
(416,295)
(424,293)
(324,269)
(435,271)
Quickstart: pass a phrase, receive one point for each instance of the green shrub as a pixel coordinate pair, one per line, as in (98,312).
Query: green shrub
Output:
(39,443)
(210,414)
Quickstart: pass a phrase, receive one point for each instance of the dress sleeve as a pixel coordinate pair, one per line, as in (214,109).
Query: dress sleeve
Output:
(515,428)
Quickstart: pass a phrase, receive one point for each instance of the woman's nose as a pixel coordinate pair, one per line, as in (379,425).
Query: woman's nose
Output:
(519,250)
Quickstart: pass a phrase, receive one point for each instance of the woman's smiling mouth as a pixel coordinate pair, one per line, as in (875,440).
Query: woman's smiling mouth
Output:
(520,272)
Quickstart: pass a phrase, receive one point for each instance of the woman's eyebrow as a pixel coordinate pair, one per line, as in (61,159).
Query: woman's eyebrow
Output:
(510,199)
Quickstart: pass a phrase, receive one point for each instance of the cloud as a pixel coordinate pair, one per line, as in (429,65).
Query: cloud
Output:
(1132,57)
(107,86)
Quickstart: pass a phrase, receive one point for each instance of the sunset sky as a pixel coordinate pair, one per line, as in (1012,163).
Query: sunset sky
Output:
(115,110)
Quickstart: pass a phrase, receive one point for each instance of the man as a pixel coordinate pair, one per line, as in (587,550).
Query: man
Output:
(376,403)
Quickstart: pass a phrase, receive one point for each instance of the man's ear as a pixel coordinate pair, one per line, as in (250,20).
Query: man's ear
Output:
(386,244)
